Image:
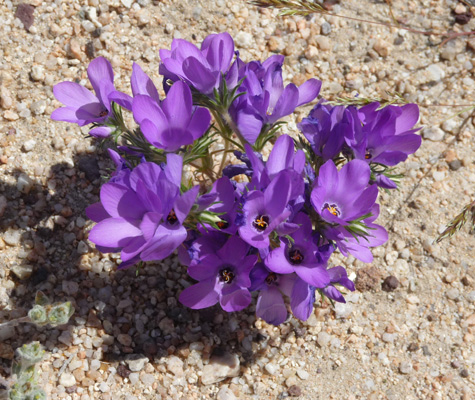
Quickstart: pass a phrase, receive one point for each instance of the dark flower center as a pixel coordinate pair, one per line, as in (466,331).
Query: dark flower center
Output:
(368,155)
(103,113)
(261,222)
(333,208)
(295,257)
(226,275)
(222,224)
(271,278)
(172,218)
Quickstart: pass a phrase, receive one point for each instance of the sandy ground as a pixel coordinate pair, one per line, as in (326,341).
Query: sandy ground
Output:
(130,338)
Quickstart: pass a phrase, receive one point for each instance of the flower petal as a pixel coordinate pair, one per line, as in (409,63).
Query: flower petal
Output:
(271,307)
(200,295)
(113,232)
(142,84)
(100,69)
(236,301)
(73,95)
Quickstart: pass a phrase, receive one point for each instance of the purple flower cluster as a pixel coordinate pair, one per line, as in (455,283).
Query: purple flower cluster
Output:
(255,224)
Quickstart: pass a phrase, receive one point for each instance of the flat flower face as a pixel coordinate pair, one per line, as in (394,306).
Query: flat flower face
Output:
(342,196)
(223,277)
(299,256)
(264,211)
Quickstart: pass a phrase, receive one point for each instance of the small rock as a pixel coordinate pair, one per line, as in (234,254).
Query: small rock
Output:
(311,53)
(7,332)
(455,165)
(75,49)
(37,73)
(413,347)
(6,101)
(367,278)
(38,107)
(134,378)
(455,364)
(453,294)
(389,337)
(303,374)
(271,368)
(225,394)
(67,380)
(148,379)
(90,50)
(323,339)
(295,391)
(464,373)
(243,39)
(95,365)
(405,367)
(220,367)
(10,115)
(24,13)
(326,28)
(29,145)
(435,73)
(276,44)
(175,366)
(124,339)
(448,52)
(425,351)
(343,310)
(433,133)
(390,284)
(463,18)
(382,47)
(12,237)
(22,271)
(127,3)
(66,338)
(323,42)
(24,183)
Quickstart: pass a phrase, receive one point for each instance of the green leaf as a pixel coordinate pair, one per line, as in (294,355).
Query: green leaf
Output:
(38,315)
(59,314)
(41,299)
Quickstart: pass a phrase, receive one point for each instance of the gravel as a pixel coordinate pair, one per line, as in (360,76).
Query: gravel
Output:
(130,338)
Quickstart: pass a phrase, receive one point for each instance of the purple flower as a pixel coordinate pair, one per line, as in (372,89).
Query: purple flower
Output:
(142,214)
(338,276)
(223,276)
(83,107)
(300,255)
(326,126)
(175,122)
(202,69)
(141,85)
(223,200)
(264,211)
(271,286)
(343,196)
(266,100)
(387,136)
(359,247)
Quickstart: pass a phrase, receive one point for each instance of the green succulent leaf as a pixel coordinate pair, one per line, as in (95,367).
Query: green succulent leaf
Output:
(38,315)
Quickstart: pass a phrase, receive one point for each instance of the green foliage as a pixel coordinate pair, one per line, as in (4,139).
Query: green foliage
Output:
(467,214)
(45,314)
(24,367)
